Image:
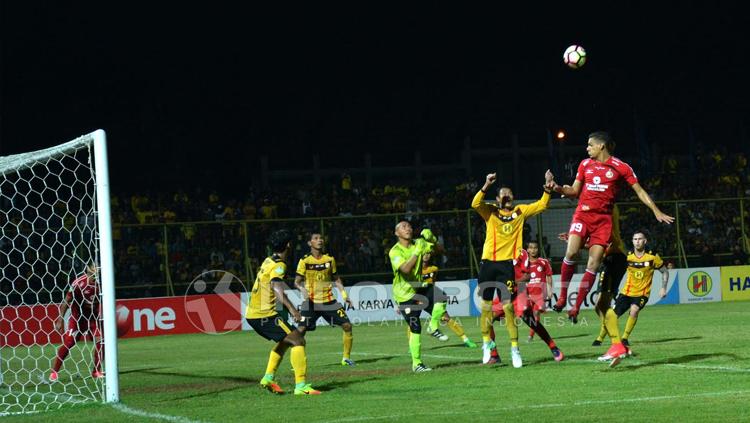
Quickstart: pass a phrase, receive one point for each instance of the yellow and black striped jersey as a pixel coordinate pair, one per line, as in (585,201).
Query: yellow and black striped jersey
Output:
(262,297)
(641,274)
(504,239)
(429,274)
(318,274)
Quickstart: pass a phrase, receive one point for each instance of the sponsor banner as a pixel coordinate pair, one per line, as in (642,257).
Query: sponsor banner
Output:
(214,314)
(735,283)
(699,284)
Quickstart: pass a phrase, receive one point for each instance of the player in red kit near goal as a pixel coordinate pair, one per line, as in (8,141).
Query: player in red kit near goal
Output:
(597,182)
(85,321)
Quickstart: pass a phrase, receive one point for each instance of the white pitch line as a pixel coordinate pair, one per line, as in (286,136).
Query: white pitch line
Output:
(548,405)
(717,368)
(142,413)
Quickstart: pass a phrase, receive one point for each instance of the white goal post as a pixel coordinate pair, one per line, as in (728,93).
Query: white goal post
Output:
(54,222)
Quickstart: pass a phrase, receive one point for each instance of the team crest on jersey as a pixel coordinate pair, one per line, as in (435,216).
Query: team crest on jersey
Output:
(609,174)
(533,275)
(328,265)
(539,268)
(597,180)
(280,270)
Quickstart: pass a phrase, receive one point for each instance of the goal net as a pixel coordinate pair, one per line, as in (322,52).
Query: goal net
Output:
(54,222)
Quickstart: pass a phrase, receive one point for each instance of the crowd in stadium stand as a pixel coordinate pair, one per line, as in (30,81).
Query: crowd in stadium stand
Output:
(359,223)
(360,244)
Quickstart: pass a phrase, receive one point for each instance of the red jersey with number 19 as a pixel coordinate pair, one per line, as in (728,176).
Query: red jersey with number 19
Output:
(601,183)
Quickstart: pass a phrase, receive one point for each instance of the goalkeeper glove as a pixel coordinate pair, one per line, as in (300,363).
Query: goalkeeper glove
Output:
(423,247)
(428,235)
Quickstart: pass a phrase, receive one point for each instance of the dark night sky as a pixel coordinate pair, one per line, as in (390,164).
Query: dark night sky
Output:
(182,90)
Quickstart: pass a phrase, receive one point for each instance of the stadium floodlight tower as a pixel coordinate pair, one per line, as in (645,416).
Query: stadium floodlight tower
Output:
(54,222)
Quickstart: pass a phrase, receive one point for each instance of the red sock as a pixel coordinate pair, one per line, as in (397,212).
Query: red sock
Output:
(98,354)
(583,289)
(531,333)
(62,352)
(566,274)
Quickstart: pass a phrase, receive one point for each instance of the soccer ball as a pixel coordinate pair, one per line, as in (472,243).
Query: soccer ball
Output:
(574,56)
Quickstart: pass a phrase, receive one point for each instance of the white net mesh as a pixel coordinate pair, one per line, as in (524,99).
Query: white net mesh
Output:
(49,233)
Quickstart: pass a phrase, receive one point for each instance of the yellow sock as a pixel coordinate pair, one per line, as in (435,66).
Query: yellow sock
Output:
(485,320)
(610,321)
(273,362)
(629,326)
(299,362)
(510,324)
(602,332)
(456,327)
(348,341)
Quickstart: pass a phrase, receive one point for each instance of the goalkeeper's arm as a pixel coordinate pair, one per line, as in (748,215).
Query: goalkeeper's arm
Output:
(63,309)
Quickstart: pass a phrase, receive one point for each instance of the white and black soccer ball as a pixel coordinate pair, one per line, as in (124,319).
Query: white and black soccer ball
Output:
(574,56)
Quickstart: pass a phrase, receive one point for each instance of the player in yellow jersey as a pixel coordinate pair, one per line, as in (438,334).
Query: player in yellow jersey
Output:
(318,272)
(437,300)
(641,264)
(266,297)
(502,244)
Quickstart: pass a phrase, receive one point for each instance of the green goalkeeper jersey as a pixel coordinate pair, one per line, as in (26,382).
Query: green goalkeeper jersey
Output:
(404,284)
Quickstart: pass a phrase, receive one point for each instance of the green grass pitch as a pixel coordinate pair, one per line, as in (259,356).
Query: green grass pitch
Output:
(692,364)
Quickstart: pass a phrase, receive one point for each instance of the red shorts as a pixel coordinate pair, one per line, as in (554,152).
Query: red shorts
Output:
(594,226)
(77,328)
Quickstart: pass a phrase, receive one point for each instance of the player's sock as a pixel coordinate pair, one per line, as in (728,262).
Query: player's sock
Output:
(540,330)
(437,315)
(629,326)
(415,347)
(566,274)
(531,333)
(485,320)
(273,363)
(299,362)
(602,332)
(610,321)
(510,324)
(457,328)
(348,341)
(62,352)
(98,354)
(583,289)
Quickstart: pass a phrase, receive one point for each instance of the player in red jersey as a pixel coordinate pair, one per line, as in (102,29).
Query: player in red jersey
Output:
(596,185)
(539,287)
(528,301)
(85,321)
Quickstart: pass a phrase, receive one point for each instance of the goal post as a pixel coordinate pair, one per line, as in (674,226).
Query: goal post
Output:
(55,222)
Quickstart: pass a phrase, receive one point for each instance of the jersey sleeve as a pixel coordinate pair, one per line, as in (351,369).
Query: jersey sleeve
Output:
(278,271)
(301,268)
(483,209)
(628,175)
(580,173)
(536,207)
(333,266)
(658,262)
(396,259)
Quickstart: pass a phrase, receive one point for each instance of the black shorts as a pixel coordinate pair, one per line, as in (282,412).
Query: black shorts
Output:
(496,276)
(433,294)
(623,303)
(411,309)
(273,328)
(332,311)
(613,268)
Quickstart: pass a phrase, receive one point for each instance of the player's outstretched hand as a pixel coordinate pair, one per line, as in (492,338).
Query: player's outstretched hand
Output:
(548,176)
(491,177)
(296,316)
(663,217)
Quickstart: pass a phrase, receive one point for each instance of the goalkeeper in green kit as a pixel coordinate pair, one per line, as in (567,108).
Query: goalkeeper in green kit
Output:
(406,261)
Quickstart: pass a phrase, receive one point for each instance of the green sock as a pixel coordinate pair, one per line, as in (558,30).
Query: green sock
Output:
(268,376)
(437,313)
(300,385)
(415,346)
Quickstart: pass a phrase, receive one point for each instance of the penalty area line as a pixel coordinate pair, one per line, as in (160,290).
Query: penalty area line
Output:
(157,416)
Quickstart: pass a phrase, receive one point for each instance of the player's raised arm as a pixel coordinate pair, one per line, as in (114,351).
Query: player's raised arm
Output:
(477,204)
(570,191)
(541,204)
(646,199)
